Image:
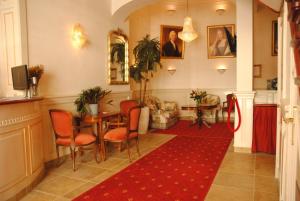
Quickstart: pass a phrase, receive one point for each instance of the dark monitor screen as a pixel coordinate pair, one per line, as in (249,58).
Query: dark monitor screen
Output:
(20,77)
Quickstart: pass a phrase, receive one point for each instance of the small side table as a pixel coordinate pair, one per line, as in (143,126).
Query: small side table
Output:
(199,111)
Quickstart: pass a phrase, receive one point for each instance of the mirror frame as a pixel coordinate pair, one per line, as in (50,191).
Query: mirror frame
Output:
(118,33)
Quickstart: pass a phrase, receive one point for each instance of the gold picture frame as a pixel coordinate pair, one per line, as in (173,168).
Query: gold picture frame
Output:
(257,71)
(166,47)
(274,38)
(217,32)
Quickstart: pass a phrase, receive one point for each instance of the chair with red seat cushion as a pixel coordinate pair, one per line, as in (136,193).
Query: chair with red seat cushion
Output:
(67,135)
(226,105)
(125,134)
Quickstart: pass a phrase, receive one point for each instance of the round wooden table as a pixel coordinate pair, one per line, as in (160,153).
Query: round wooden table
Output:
(199,111)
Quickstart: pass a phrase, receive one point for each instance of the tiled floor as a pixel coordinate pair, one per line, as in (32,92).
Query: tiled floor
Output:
(242,177)
(245,177)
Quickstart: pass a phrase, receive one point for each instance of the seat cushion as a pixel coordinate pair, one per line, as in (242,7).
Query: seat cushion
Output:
(118,134)
(81,139)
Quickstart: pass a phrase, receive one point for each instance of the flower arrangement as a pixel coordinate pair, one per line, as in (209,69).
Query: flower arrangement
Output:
(36,71)
(197,95)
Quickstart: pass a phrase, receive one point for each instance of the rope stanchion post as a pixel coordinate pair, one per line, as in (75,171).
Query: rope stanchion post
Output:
(233,102)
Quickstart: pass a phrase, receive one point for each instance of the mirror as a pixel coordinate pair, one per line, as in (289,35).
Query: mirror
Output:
(118,58)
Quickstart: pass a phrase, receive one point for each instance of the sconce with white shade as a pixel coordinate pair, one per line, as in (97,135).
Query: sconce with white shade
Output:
(171,70)
(221,69)
(171,8)
(220,9)
(79,38)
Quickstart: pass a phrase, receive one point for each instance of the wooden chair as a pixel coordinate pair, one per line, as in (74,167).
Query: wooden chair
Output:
(128,133)
(225,106)
(68,135)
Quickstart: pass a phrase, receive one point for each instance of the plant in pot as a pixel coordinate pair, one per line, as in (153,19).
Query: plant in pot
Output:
(90,97)
(35,73)
(147,60)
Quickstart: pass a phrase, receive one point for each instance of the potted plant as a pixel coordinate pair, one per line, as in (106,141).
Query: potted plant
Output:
(147,60)
(35,73)
(90,97)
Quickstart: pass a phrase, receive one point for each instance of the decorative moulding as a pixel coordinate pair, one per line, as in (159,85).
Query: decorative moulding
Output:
(18,120)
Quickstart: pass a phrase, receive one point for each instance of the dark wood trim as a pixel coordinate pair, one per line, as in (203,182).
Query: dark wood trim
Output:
(14,100)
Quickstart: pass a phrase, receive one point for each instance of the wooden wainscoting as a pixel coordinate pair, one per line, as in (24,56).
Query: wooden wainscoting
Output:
(21,148)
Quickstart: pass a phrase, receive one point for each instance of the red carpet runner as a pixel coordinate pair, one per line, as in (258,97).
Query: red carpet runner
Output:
(183,169)
(184,128)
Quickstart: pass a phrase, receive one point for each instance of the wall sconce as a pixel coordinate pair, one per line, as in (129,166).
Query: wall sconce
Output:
(221,69)
(171,70)
(171,8)
(220,9)
(79,39)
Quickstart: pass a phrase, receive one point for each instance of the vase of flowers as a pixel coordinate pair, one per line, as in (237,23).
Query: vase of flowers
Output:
(198,95)
(35,73)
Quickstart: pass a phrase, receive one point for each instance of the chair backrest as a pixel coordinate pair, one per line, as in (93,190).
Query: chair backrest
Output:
(228,99)
(62,123)
(125,106)
(134,118)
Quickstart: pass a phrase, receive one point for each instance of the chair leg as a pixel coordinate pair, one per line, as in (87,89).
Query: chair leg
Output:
(128,150)
(120,147)
(223,116)
(96,149)
(137,146)
(74,158)
(57,153)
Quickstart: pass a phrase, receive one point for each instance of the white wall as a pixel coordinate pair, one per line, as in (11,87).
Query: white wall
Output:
(263,18)
(195,70)
(69,70)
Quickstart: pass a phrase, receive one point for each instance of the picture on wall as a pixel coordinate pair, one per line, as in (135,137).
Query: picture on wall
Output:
(217,41)
(257,71)
(171,46)
(274,38)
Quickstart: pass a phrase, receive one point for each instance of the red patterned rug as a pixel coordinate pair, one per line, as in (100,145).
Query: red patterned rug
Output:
(184,128)
(183,169)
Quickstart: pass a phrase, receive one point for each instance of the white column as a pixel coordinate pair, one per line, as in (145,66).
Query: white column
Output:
(244,74)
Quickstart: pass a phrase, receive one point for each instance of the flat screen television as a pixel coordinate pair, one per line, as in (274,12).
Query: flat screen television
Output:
(20,77)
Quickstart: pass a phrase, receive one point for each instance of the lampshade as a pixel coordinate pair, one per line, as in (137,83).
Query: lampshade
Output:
(188,33)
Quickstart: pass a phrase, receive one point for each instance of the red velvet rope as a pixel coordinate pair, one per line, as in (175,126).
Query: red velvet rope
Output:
(232,102)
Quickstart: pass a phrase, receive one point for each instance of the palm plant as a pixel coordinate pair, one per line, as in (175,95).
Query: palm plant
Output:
(90,96)
(147,59)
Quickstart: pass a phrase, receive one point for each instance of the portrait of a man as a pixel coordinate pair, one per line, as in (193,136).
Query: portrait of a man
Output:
(171,46)
(217,42)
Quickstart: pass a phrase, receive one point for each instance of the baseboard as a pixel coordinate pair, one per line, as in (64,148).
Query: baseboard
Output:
(242,150)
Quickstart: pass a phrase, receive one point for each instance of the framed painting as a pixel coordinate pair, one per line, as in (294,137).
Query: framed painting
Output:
(217,42)
(257,71)
(274,38)
(171,47)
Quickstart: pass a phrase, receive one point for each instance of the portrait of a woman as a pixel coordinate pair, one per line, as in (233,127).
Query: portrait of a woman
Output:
(218,46)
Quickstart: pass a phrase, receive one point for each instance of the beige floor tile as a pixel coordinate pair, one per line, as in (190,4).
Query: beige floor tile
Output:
(266,184)
(108,164)
(81,189)
(105,175)
(38,196)
(237,163)
(265,165)
(223,193)
(234,180)
(259,196)
(60,185)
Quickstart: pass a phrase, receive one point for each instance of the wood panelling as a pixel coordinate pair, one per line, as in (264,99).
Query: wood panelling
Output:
(36,146)
(21,147)
(13,158)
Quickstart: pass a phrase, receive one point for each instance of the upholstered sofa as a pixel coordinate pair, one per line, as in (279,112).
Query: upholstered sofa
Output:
(163,114)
